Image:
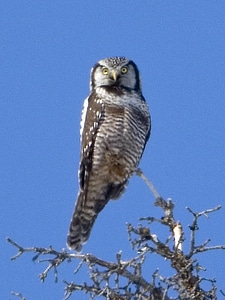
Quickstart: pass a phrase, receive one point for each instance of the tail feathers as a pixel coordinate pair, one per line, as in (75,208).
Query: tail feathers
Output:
(87,208)
(83,219)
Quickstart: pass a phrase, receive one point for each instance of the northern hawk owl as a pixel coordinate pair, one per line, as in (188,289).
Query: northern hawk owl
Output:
(115,126)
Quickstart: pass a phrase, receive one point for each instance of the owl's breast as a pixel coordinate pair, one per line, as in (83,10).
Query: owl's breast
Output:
(120,139)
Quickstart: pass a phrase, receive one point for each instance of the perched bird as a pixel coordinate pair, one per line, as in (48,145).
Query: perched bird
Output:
(115,126)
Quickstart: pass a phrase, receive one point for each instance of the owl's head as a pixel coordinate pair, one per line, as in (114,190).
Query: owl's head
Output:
(115,71)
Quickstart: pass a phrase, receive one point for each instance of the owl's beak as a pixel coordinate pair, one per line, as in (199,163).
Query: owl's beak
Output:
(114,75)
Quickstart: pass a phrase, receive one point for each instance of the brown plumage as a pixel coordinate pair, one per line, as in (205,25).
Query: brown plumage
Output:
(115,127)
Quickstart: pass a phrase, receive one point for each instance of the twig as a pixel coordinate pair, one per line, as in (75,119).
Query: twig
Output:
(18,295)
(148,182)
(194,225)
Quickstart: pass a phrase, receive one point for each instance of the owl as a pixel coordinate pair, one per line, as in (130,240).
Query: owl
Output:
(115,126)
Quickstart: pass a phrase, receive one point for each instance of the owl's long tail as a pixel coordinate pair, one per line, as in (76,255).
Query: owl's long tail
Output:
(83,219)
(87,208)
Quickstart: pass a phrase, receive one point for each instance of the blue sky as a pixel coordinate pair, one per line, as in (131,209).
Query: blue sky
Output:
(47,49)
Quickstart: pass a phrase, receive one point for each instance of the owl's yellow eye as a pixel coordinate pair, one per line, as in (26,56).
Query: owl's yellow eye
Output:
(124,70)
(105,71)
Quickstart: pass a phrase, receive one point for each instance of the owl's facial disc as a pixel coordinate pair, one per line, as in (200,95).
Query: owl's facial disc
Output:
(118,71)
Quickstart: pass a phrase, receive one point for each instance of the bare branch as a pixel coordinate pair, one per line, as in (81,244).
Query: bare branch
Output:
(178,236)
(123,279)
(194,226)
(18,295)
(148,182)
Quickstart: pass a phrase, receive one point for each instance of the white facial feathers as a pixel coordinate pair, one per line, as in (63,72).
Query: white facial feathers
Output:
(117,71)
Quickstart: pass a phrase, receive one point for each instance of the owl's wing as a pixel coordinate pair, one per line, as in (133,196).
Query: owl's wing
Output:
(85,212)
(91,119)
